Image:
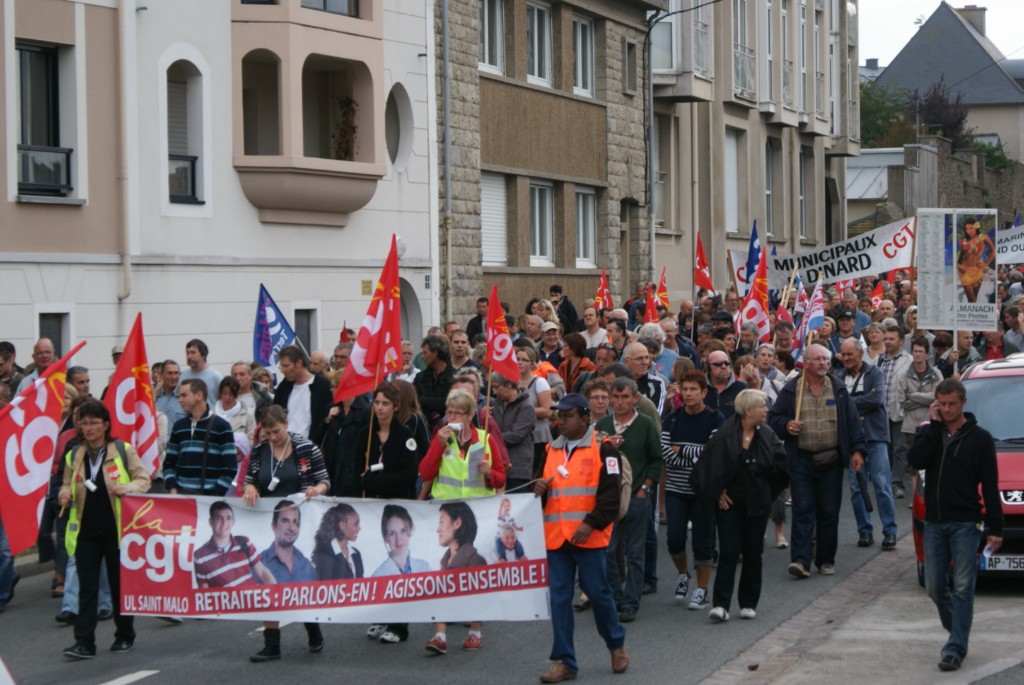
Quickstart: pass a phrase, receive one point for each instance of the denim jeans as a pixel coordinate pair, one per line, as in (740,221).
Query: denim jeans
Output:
(681,510)
(817,496)
(563,566)
(70,601)
(632,530)
(7,572)
(945,544)
(739,534)
(876,470)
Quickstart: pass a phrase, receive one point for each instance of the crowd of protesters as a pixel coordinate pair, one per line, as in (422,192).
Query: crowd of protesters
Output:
(702,410)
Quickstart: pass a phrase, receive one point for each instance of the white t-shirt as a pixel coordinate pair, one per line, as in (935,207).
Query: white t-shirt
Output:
(299,415)
(249,400)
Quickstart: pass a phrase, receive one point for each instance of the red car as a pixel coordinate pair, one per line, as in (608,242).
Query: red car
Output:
(993,390)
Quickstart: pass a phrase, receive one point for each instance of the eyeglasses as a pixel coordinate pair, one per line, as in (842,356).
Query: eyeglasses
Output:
(606,346)
(719,363)
(454,412)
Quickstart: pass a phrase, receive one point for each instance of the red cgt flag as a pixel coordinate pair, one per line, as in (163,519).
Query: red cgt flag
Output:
(29,427)
(377,350)
(876,295)
(499,343)
(701,271)
(130,401)
(755,308)
(782,314)
(662,292)
(603,296)
(650,306)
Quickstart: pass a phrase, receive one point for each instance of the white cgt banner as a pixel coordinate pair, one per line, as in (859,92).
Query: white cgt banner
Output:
(877,251)
(338,560)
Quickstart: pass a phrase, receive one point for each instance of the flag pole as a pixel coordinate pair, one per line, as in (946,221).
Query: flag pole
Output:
(913,262)
(803,379)
(732,272)
(785,300)
(487,415)
(369,434)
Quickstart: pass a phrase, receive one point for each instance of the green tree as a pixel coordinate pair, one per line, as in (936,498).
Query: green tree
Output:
(881,110)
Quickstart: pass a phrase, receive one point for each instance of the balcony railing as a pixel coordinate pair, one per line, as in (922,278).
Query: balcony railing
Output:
(819,93)
(44,170)
(181,178)
(348,8)
(787,82)
(744,70)
(701,49)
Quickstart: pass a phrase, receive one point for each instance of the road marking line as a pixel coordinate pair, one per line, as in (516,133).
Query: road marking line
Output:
(131,678)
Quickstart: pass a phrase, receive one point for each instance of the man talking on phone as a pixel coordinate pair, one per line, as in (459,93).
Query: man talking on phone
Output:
(958,455)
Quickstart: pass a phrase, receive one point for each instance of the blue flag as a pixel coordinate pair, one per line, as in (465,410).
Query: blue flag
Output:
(271,332)
(753,256)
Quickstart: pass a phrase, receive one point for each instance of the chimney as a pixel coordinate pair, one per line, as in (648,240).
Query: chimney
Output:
(975,15)
(871,63)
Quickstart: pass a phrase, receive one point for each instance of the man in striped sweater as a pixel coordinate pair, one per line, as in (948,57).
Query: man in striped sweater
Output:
(201,457)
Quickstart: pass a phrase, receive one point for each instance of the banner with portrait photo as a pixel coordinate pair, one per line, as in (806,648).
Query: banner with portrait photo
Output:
(337,560)
(956,269)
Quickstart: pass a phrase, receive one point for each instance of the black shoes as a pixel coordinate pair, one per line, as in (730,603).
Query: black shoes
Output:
(866,540)
(66,617)
(79,652)
(122,646)
(950,662)
(627,616)
(889,542)
(104,615)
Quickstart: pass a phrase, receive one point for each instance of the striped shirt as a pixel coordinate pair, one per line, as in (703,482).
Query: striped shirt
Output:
(688,432)
(201,456)
(230,567)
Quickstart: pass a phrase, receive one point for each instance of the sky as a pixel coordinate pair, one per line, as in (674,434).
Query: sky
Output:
(887,25)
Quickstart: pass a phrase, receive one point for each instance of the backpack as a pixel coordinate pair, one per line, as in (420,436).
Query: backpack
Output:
(625,481)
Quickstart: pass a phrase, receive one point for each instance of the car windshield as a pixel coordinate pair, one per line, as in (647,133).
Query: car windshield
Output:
(993,401)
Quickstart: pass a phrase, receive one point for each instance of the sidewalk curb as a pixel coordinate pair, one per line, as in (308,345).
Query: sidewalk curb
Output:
(27,566)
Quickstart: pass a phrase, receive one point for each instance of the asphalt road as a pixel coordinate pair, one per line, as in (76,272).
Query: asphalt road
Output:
(667,643)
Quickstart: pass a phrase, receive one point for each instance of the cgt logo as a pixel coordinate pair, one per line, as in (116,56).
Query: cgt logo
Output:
(902,238)
(159,545)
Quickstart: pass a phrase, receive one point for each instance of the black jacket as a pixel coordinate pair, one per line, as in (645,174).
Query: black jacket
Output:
(400,457)
(954,473)
(321,398)
(851,436)
(719,466)
(432,390)
(344,429)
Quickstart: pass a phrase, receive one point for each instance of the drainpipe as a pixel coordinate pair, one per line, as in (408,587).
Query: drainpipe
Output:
(651,208)
(446,81)
(125,25)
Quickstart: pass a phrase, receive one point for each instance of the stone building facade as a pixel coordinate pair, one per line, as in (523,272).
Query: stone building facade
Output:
(547,159)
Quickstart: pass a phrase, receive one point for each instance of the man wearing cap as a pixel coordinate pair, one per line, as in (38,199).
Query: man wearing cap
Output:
(580,487)
(845,322)
(550,348)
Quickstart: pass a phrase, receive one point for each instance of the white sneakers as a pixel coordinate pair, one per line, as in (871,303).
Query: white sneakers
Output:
(718,615)
(748,613)
(700,600)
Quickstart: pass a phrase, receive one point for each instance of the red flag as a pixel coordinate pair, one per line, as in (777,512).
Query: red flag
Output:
(662,292)
(130,401)
(876,295)
(603,296)
(29,427)
(701,271)
(343,338)
(378,347)
(499,343)
(782,314)
(650,306)
(755,308)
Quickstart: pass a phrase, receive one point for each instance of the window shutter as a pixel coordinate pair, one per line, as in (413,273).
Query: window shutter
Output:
(493,222)
(177,118)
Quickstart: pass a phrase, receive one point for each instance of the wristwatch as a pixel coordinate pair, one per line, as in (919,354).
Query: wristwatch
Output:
(647,489)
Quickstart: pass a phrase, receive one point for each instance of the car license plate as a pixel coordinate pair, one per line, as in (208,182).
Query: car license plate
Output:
(1002,562)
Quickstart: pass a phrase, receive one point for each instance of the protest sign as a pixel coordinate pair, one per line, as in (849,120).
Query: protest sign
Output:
(956,255)
(878,251)
(337,560)
(1010,245)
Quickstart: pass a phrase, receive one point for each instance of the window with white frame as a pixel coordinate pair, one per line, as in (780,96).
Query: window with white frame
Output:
(44,153)
(819,75)
(802,164)
(586,227)
(744,61)
(541,220)
(491,36)
(805,103)
(184,132)
(765,33)
(493,219)
(787,62)
(583,55)
(663,40)
(732,180)
(538,43)
(703,39)
(769,188)
(659,144)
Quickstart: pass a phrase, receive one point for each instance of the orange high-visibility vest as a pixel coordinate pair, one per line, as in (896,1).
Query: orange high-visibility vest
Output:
(571,499)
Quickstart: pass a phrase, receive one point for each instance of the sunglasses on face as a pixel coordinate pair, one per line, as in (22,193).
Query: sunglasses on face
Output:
(719,363)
